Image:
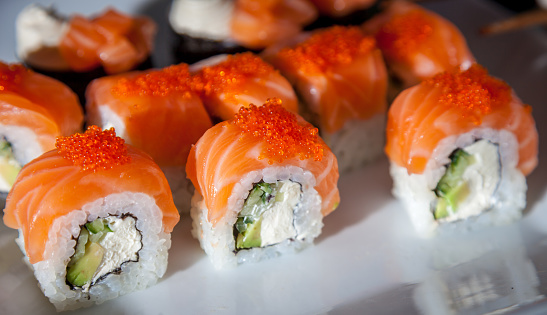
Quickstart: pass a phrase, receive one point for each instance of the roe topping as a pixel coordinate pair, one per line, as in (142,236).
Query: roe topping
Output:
(228,75)
(403,34)
(473,91)
(95,149)
(285,138)
(324,49)
(10,75)
(172,79)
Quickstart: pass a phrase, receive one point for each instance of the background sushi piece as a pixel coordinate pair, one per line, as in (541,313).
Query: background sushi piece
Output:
(34,110)
(227,82)
(158,112)
(341,78)
(77,49)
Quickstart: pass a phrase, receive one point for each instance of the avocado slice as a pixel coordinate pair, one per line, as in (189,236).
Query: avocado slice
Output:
(88,253)
(82,271)
(9,167)
(251,236)
(451,189)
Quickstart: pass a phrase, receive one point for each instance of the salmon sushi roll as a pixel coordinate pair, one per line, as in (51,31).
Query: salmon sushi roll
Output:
(340,75)
(34,110)
(94,217)
(460,146)
(227,82)
(77,49)
(211,27)
(417,43)
(156,111)
(264,181)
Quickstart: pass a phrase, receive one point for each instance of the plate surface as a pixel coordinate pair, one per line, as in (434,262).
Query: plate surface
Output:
(368,259)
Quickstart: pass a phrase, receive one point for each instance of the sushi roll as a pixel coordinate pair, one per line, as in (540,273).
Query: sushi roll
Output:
(94,217)
(460,146)
(157,112)
(227,82)
(264,181)
(211,27)
(34,110)
(417,43)
(340,75)
(77,49)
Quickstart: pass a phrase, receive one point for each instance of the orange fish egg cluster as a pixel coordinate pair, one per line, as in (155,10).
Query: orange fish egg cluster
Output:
(285,138)
(93,150)
(10,75)
(228,75)
(403,34)
(172,79)
(473,90)
(335,46)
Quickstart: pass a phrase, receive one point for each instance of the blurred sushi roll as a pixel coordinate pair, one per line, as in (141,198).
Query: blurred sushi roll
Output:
(264,181)
(34,110)
(227,82)
(417,43)
(460,146)
(77,49)
(340,76)
(212,27)
(156,111)
(94,217)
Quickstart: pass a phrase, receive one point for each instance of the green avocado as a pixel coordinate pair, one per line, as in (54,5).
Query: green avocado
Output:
(9,167)
(82,271)
(451,189)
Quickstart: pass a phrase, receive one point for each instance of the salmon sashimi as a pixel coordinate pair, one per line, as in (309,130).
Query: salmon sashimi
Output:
(452,104)
(257,24)
(63,180)
(339,73)
(417,43)
(227,82)
(233,148)
(339,8)
(113,40)
(156,111)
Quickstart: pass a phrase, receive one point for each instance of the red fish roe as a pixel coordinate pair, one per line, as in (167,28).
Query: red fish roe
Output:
(93,150)
(10,76)
(473,91)
(227,76)
(331,47)
(285,138)
(172,79)
(402,35)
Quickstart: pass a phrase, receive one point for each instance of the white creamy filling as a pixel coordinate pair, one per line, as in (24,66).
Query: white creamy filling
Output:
(38,34)
(482,178)
(208,19)
(277,222)
(121,245)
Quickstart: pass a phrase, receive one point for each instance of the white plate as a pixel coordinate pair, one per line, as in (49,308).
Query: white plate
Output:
(368,259)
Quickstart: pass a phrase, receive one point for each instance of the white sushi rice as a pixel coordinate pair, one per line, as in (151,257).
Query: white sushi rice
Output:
(151,265)
(208,19)
(416,191)
(218,241)
(39,31)
(358,142)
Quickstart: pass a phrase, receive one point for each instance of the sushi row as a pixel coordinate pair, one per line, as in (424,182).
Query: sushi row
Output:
(95,211)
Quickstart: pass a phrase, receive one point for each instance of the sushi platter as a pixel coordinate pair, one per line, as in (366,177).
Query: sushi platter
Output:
(368,258)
